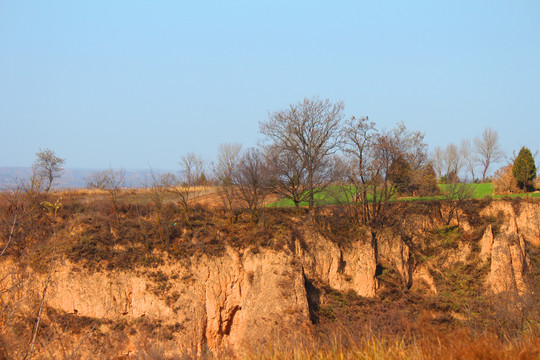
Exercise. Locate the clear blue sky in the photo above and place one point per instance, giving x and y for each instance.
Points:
(137, 83)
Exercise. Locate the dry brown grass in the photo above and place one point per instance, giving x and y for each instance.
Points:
(78, 192)
(203, 195)
(454, 345)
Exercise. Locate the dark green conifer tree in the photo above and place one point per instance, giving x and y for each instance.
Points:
(524, 169)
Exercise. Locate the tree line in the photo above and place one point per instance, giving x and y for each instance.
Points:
(311, 146)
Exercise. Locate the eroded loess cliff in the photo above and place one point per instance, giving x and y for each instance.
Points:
(242, 296)
(501, 238)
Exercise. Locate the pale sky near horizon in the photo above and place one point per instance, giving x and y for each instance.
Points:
(135, 84)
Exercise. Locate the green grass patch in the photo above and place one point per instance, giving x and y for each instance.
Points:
(480, 190)
(337, 195)
(332, 195)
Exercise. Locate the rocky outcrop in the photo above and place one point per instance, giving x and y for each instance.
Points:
(506, 249)
(394, 251)
(103, 294)
(528, 222)
(249, 296)
(486, 244)
(423, 281)
(506, 252)
(525, 216)
(349, 267)
(230, 301)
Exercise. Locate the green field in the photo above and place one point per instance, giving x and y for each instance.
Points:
(335, 195)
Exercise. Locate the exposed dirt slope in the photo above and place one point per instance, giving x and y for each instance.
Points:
(242, 296)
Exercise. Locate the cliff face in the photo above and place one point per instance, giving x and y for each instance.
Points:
(349, 267)
(233, 301)
(244, 297)
(229, 301)
(502, 246)
(506, 248)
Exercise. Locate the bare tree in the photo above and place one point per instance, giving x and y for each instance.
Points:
(224, 170)
(383, 153)
(455, 193)
(453, 161)
(166, 180)
(191, 168)
(109, 180)
(161, 184)
(411, 145)
(310, 130)
(438, 161)
(469, 157)
(359, 137)
(371, 154)
(488, 150)
(47, 167)
(251, 179)
(448, 162)
(287, 176)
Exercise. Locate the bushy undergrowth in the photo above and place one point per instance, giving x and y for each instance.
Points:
(98, 235)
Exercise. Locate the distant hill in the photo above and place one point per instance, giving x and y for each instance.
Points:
(71, 178)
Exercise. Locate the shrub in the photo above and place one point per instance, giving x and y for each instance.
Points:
(504, 181)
